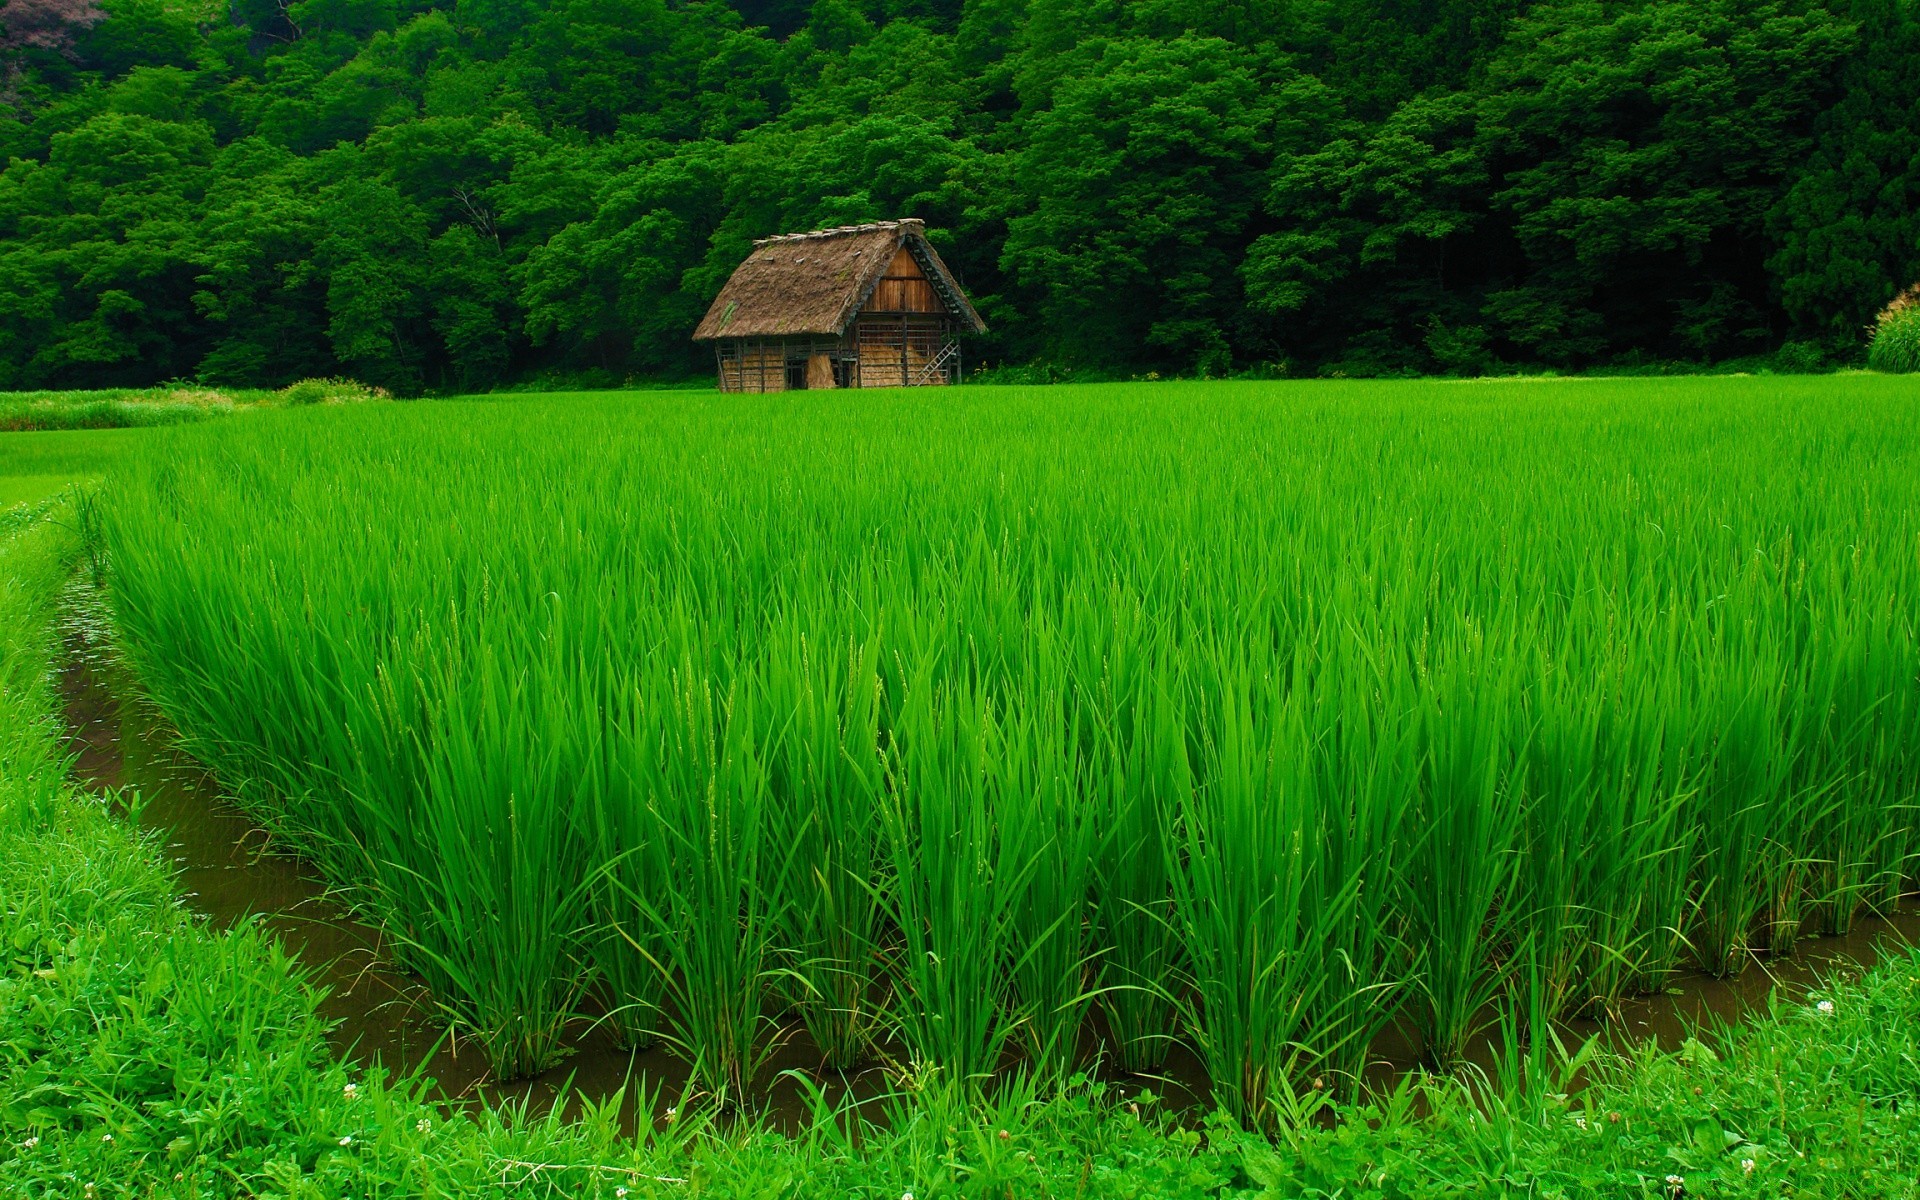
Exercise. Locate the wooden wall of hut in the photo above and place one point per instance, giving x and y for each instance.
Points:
(904, 288)
(882, 350)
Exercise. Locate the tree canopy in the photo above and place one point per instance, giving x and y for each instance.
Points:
(461, 194)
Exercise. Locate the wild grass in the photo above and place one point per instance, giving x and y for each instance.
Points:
(981, 731)
(1895, 343)
(174, 404)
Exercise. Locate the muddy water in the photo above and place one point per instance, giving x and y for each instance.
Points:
(229, 871)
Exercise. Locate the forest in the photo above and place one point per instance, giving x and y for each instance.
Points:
(456, 195)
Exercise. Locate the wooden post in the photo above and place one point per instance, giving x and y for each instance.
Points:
(903, 349)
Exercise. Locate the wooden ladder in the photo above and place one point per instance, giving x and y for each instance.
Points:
(937, 364)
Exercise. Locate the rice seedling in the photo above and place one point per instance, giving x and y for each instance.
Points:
(1047, 826)
(1144, 781)
(716, 931)
(1464, 864)
(827, 780)
(957, 894)
(1365, 762)
(1255, 902)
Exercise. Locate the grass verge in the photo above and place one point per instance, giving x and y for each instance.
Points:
(143, 1055)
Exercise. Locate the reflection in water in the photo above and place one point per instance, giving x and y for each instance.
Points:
(384, 1016)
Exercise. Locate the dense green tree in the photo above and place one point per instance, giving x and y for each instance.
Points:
(1848, 224)
(1142, 176)
(1637, 150)
(1375, 254)
(458, 193)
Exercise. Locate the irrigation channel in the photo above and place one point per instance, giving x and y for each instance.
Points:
(228, 872)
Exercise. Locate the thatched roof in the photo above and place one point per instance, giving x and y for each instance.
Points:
(812, 284)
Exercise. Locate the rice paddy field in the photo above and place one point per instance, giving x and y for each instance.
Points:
(993, 732)
(37, 465)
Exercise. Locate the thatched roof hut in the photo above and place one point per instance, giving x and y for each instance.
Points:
(858, 306)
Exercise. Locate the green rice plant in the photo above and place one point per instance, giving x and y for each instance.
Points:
(1365, 765)
(1604, 874)
(717, 927)
(1634, 886)
(1049, 836)
(1658, 939)
(1895, 343)
(956, 897)
(1858, 716)
(1896, 838)
(1144, 781)
(506, 918)
(1255, 906)
(635, 858)
(1663, 773)
(827, 781)
(1463, 870)
(1562, 851)
(1743, 789)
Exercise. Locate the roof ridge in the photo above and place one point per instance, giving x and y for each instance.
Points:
(910, 224)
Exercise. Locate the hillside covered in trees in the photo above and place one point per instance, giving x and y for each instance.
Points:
(475, 192)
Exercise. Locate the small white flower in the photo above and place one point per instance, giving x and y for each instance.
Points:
(31, 1142)
(423, 1126)
(347, 1141)
(351, 1091)
(906, 1196)
(1825, 1007)
(106, 1137)
(1746, 1166)
(620, 1193)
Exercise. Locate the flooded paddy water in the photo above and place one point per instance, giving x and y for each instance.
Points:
(229, 871)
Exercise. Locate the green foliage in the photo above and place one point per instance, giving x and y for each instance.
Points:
(453, 199)
(1147, 151)
(1847, 236)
